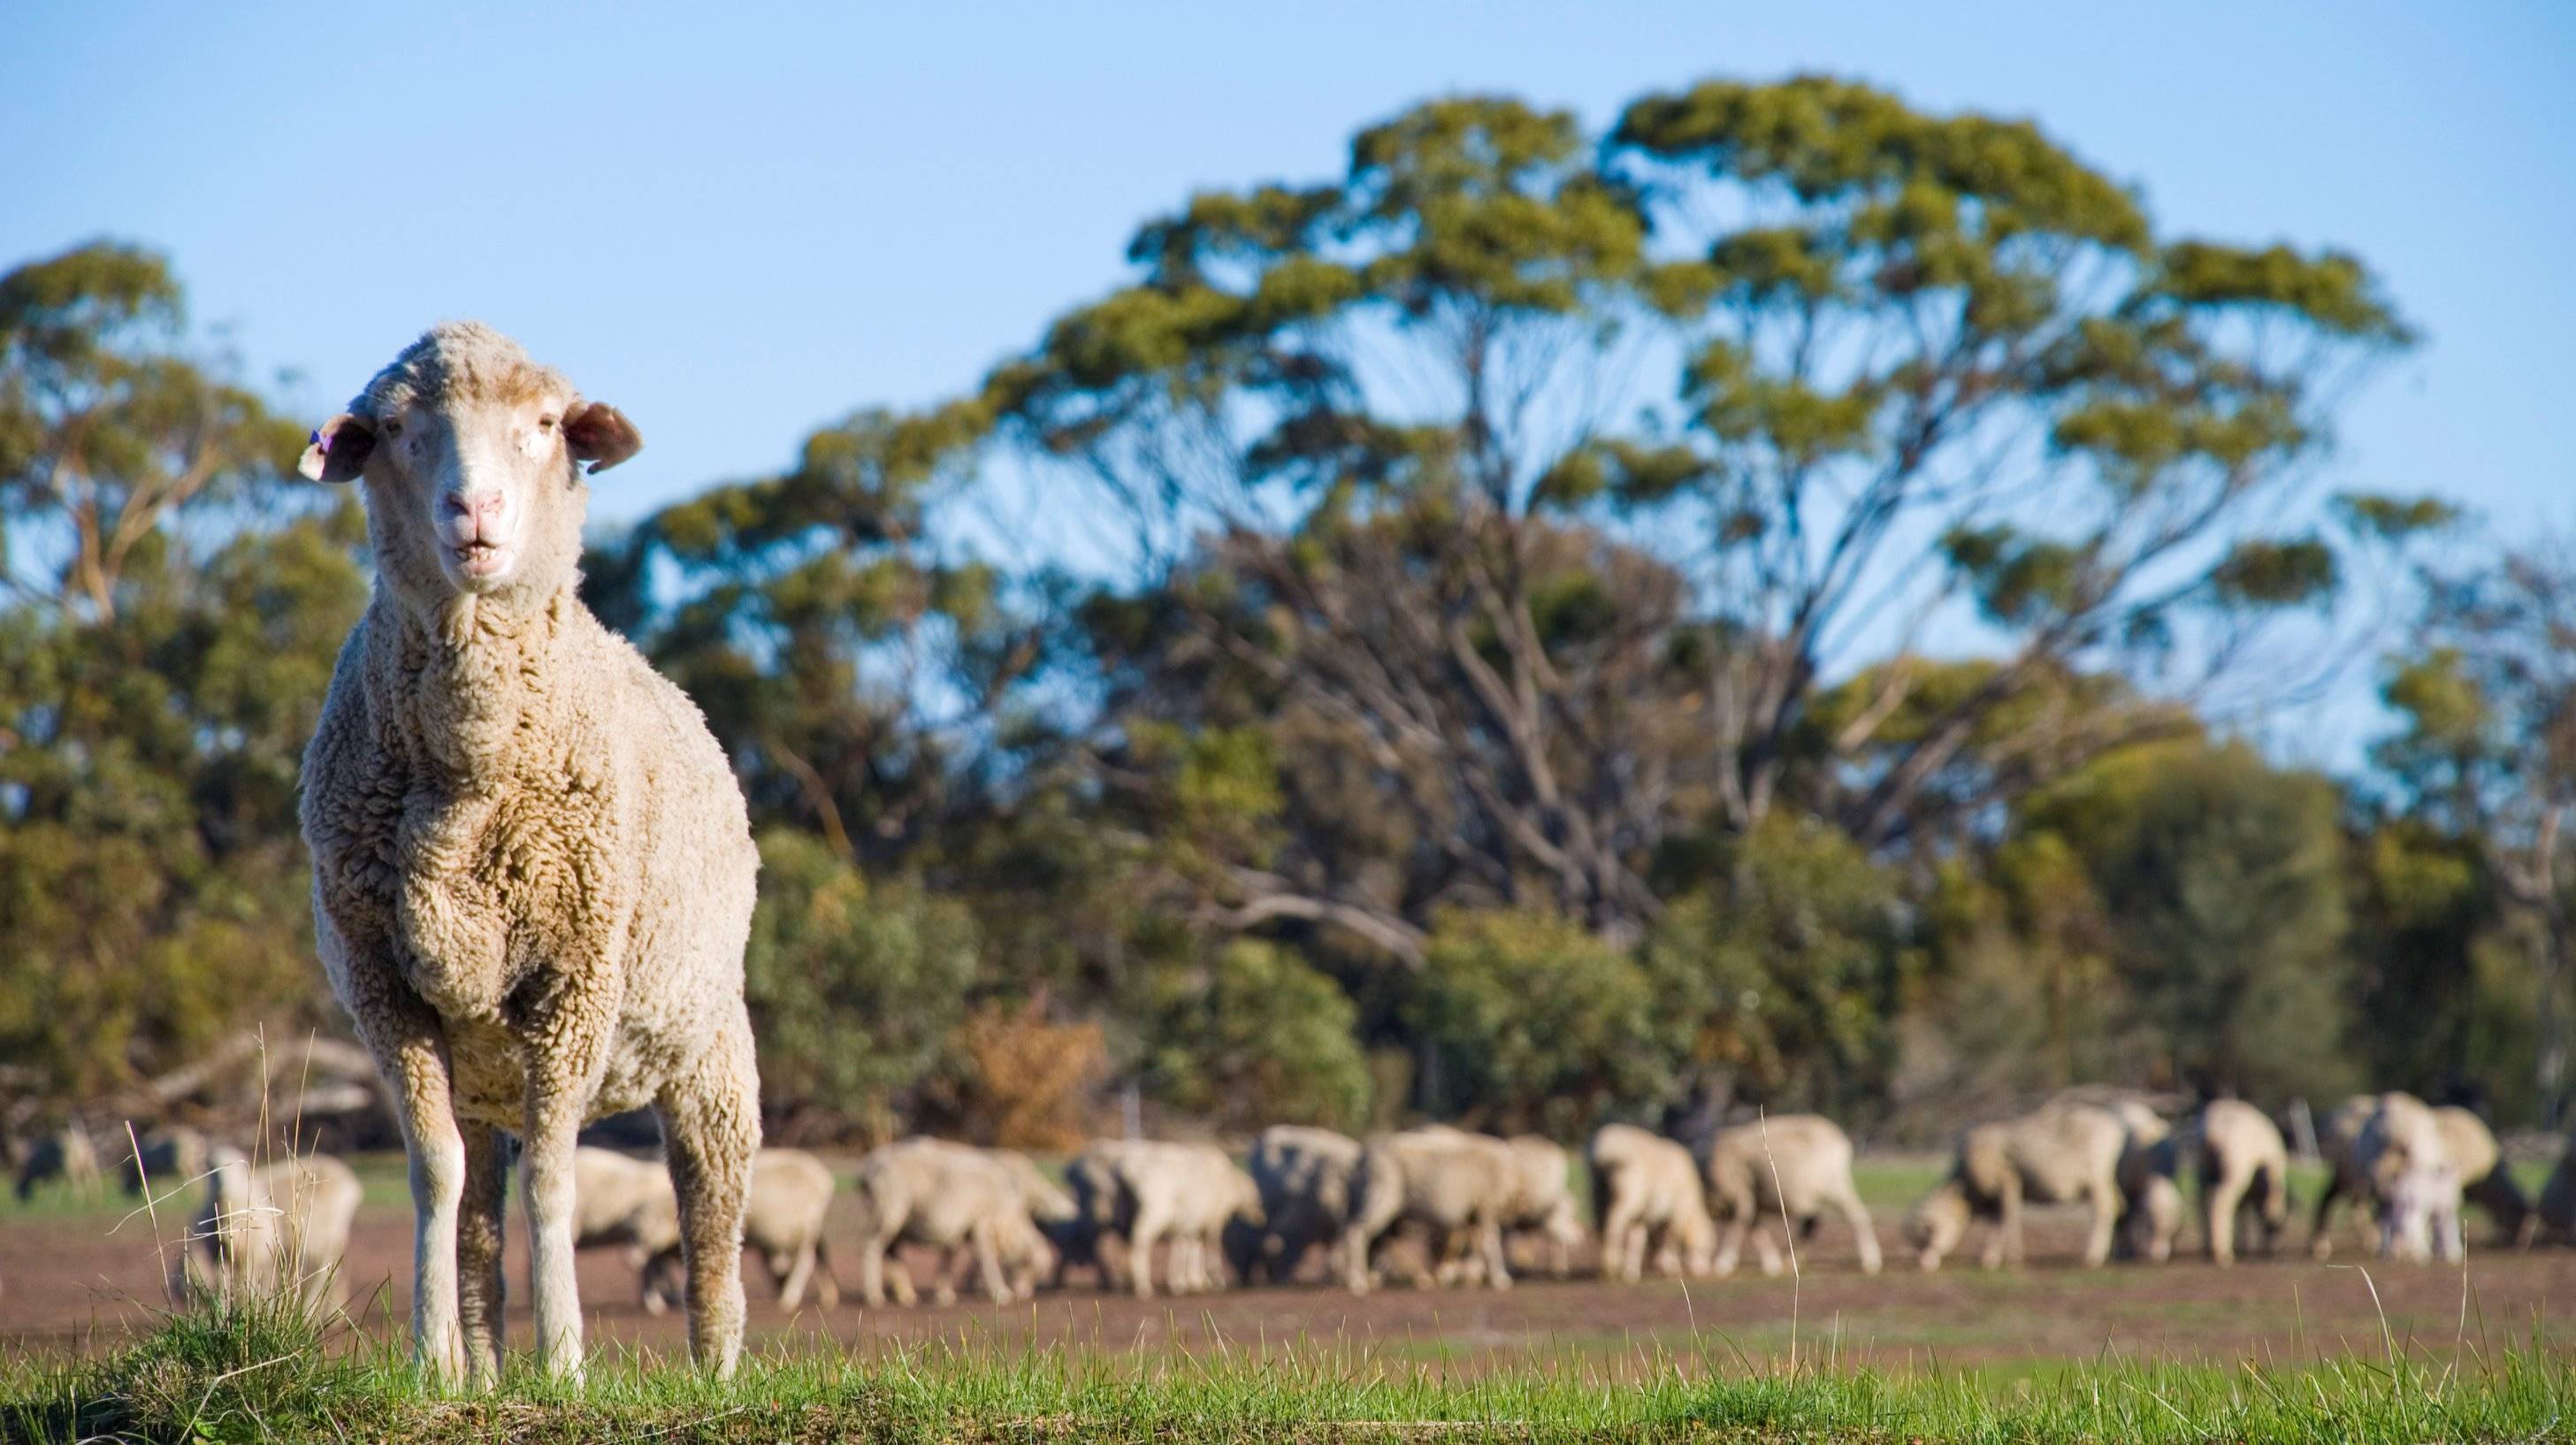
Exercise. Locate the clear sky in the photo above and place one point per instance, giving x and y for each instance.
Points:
(738, 221)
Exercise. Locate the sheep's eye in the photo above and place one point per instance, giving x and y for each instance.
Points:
(393, 428)
(545, 423)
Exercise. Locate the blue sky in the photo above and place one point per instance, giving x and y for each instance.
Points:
(740, 221)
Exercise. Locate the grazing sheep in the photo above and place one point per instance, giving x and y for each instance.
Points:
(1795, 1166)
(622, 1200)
(2419, 1216)
(2404, 1153)
(2151, 1202)
(1046, 1200)
(1544, 1203)
(2338, 1136)
(1143, 1192)
(791, 1191)
(1304, 1175)
(533, 870)
(279, 1228)
(952, 1197)
(2485, 1180)
(2061, 1154)
(169, 1157)
(2244, 1166)
(66, 1154)
(1461, 1185)
(1647, 1189)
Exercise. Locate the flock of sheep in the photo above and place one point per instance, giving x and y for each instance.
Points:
(1659, 1204)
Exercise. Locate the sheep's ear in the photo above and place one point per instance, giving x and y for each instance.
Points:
(600, 434)
(339, 450)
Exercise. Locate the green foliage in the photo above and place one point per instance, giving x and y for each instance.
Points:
(2221, 879)
(110, 426)
(1787, 973)
(154, 706)
(854, 986)
(1256, 1036)
(1534, 1023)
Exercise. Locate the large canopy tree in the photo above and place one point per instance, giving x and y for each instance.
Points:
(1576, 496)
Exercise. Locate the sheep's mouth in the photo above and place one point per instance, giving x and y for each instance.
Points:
(479, 559)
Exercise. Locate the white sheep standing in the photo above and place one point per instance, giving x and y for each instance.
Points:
(533, 872)
(271, 1230)
(791, 1191)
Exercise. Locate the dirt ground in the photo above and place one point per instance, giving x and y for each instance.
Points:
(80, 1280)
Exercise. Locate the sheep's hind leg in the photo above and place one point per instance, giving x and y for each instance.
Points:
(479, 1231)
(711, 1123)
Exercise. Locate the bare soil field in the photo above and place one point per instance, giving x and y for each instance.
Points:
(81, 1280)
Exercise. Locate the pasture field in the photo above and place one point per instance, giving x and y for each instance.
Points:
(2272, 1350)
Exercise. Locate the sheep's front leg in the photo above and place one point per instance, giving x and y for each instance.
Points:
(711, 1123)
(1355, 1258)
(792, 1272)
(1864, 1230)
(411, 1053)
(2106, 1217)
(1489, 1238)
(1141, 1235)
(568, 1035)
(2221, 1195)
(872, 1271)
(988, 1264)
(478, 1252)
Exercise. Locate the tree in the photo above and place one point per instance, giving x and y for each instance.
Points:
(854, 987)
(1527, 1021)
(1257, 1037)
(859, 675)
(2486, 753)
(1787, 983)
(109, 427)
(1552, 483)
(2222, 881)
(173, 604)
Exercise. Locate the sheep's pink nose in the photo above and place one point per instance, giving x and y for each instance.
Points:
(483, 509)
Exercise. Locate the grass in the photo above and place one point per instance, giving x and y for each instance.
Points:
(258, 1373)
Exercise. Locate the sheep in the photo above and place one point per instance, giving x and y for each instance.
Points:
(2485, 1180)
(1046, 1201)
(278, 1229)
(2337, 1138)
(2243, 1164)
(1143, 1192)
(622, 1200)
(791, 1191)
(1793, 1168)
(66, 1154)
(1544, 1203)
(930, 1191)
(2060, 1154)
(1304, 1175)
(1461, 1185)
(2151, 1202)
(1648, 1192)
(172, 1156)
(533, 869)
(2404, 1156)
(2419, 1215)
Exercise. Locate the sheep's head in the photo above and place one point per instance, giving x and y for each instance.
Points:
(472, 456)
